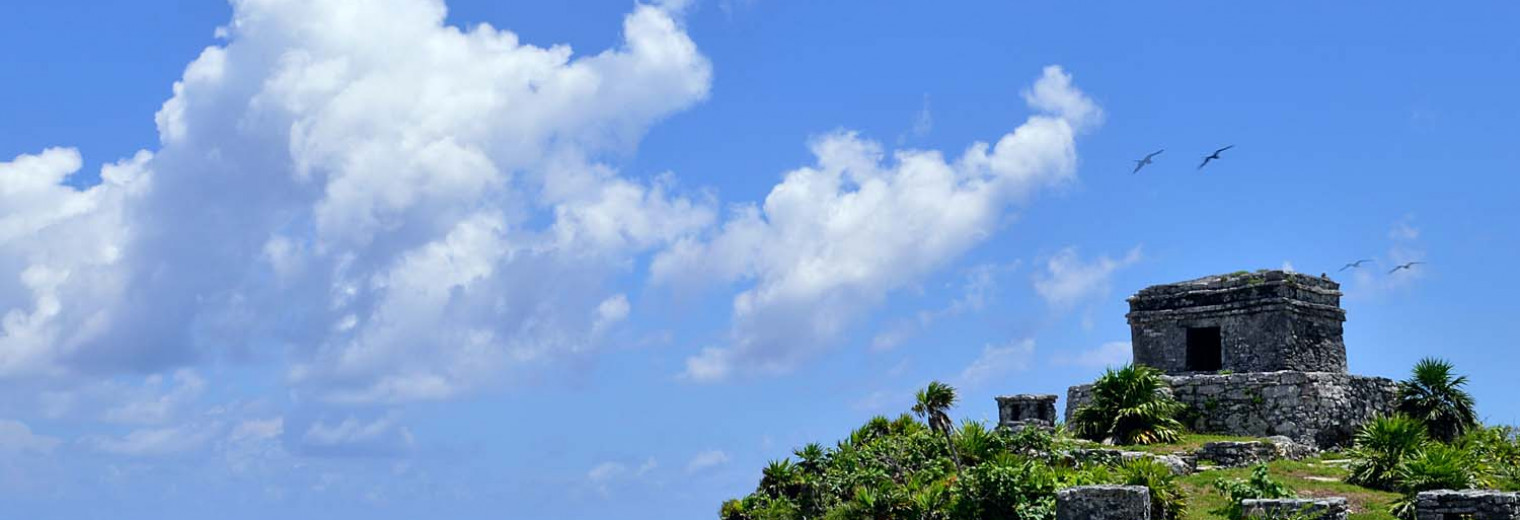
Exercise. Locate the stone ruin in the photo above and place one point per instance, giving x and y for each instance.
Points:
(1471, 504)
(1258, 354)
(1017, 412)
(1104, 503)
(1330, 508)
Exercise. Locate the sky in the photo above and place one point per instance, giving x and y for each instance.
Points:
(604, 259)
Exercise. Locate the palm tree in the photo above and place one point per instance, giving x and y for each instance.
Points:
(1129, 406)
(1434, 395)
(811, 458)
(932, 403)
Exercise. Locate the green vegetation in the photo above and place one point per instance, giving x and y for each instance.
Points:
(1129, 407)
(921, 466)
(1435, 396)
(1260, 485)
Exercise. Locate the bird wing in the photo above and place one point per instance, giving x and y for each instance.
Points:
(1205, 162)
(1155, 153)
(1216, 152)
(1138, 165)
(1348, 266)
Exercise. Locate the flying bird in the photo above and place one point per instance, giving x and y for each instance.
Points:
(1355, 264)
(1213, 156)
(1405, 266)
(1147, 160)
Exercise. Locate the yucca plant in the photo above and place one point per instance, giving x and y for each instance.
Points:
(1129, 406)
(1380, 449)
(932, 404)
(1434, 395)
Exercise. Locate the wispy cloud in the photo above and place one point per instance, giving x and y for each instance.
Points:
(1111, 354)
(1068, 280)
(706, 460)
(997, 361)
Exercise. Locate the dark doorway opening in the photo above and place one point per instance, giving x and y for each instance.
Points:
(1204, 349)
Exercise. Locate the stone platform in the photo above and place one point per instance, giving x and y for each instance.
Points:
(1322, 409)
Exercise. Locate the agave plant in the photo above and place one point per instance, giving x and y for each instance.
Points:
(1433, 394)
(932, 404)
(1380, 449)
(1129, 406)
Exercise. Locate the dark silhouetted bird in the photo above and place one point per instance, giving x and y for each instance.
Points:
(1405, 266)
(1213, 156)
(1147, 160)
(1355, 264)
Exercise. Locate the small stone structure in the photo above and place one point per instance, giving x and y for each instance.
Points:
(1103, 503)
(1243, 322)
(1473, 504)
(1333, 508)
(1256, 354)
(1024, 410)
(1233, 454)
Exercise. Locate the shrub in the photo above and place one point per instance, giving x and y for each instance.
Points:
(1434, 395)
(1499, 449)
(1168, 502)
(1006, 487)
(1380, 449)
(1438, 466)
(1128, 406)
(1260, 485)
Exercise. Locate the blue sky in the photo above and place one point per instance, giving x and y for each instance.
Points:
(371, 260)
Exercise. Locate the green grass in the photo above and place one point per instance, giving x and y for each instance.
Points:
(1307, 477)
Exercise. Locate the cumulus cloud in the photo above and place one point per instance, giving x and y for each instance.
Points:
(706, 460)
(835, 238)
(1068, 280)
(404, 209)
(997, 361)
(17, 437)
(1111, 354)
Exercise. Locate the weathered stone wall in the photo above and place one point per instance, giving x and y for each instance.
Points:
(1317, 408)
(1333, 508)
(1473, 504)
(1024, 410)
(1268, 321)
(1104, 503)
(1232, 454)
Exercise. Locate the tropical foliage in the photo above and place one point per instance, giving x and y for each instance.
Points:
(1259, 485)
(1380, 449)
(1129, 406)
(1434, 395)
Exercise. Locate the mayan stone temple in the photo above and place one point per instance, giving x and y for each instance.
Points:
(1257, 354)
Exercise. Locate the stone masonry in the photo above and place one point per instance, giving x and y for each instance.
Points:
(1243, 322)
(1256, 354)
(1317, 408)
(1469, 504)
(1333, 508)
(1104, 503)
(1232, 454)
(1024, 410)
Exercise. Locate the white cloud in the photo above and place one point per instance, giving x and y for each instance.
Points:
(148, 442)
(1068, 280)
(1111, 354)
(17, 437)
(160, 400)
(258, 429)
(706, 460)
(384, 435)
(997, 361)
(1374, 279)
(411, 209)
(834, 239)
(606, 471)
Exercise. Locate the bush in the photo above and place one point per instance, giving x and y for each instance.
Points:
(1168, 502)
(1128, 406)
(1434, 395)
(1260, 485)
(1438, 466)
(1008, 487)
(1380, 449)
